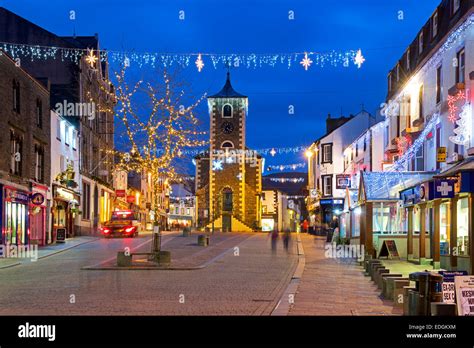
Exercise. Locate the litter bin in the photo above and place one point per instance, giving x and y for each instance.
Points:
(428, 288)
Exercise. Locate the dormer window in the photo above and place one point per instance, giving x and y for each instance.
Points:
(408, 59)
(434, 23)
(420, 43)
(227, 111)
(456, 4)
(398, 72)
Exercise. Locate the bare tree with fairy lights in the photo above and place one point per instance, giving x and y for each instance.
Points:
(155, 128)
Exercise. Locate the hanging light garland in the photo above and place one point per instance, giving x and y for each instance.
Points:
(248, 60)
(287, 180)
(287, 166)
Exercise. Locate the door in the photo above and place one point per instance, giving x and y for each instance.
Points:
(226, 222)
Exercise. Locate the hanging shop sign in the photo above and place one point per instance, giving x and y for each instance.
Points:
(130, 199)
(424, 191)
(120, 193)
(444, 188)
(464, 295)
(410, 196)
(37, 198)
(63, 194)
(16, 196)
(313, 193)
(343, 181)
(441, 154)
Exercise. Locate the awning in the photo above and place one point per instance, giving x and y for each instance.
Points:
(380, 186)
(464, 166)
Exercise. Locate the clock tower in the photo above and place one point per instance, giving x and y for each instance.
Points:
(228, 176)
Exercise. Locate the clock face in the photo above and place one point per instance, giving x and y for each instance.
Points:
(227, 127)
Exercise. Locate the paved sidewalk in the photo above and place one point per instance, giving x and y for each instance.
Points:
(331, 286)
(46, 251)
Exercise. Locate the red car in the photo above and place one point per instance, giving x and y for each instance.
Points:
(124, 223)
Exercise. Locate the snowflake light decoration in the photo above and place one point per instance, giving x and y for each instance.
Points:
(199, 63)
(306, 62)
(216, 165)
(91, 58)
(359, 59)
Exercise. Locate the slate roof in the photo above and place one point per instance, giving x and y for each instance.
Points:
(227, 91)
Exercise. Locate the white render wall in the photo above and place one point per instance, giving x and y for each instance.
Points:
(340, 138)
(426, 76)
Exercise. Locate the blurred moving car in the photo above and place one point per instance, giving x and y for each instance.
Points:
(124, 223)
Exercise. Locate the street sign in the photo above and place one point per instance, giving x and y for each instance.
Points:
(441, 154)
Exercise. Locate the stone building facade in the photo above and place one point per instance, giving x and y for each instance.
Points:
(24, 154)
(82, 85)
(228, 175)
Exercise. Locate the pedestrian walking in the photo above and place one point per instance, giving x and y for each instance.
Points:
(305, 225)
(286, 240)
(274, 240)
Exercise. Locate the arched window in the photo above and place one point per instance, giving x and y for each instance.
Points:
(227, 111)
(227, 145)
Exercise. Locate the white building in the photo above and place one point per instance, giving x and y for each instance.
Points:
(327, 181)
(429, 134)
(65, 176)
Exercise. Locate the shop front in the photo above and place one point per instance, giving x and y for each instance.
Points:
(14, 218)
(64, 211)
(442, 208)
(455, 218)
(38, 215)
(379, 215)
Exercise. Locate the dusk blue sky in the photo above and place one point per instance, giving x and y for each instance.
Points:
(257, 26)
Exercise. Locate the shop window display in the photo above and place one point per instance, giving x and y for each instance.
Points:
(463, 226)
(444, 228)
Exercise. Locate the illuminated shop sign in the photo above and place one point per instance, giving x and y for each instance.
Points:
(16, 196)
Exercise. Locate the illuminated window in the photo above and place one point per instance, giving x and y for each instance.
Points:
(460, 66)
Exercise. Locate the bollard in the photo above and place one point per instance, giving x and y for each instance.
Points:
(202, 240)
(124, 260)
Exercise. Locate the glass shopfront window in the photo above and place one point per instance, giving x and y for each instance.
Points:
(356, 225)
(416, 220)
(463, 226)
(444, 228)
(15, 223)
(389, 218)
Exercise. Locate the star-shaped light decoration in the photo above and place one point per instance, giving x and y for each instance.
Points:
(281, 167)
(359, 59)
(216, 165)
(273, 152)
(306, 62)
(199, 63)
(91, 58)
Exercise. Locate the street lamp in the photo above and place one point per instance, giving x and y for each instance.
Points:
(308, 153)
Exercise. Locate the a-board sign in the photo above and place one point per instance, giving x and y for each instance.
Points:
(389, 249)
(465, 295)
(448, 285)
(61, 235)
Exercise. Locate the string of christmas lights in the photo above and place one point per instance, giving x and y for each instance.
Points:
(402, 162)
(264, 151)
(283, 167)
(200, 59)
(285, 180)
